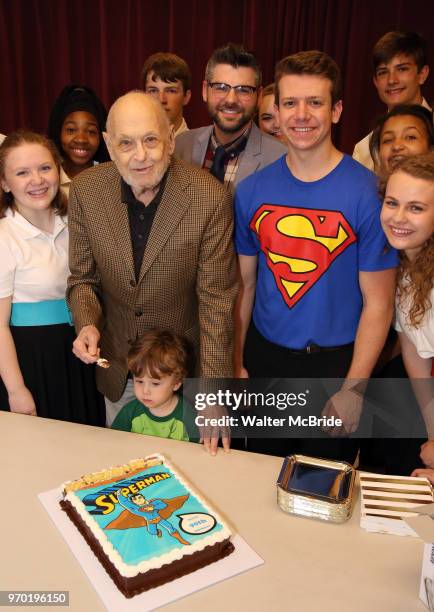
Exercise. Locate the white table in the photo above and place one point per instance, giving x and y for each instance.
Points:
(309, 565)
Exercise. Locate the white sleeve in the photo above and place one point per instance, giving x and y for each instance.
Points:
(398, 323)
(7, 268)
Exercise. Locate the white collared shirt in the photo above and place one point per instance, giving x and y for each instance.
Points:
(64, 182)
(423, 336)
(182, 128)
(34, 264)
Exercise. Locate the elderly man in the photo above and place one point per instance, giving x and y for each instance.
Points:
(151, 245)
(233, 147)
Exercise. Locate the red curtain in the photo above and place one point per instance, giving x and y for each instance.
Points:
(45, 44)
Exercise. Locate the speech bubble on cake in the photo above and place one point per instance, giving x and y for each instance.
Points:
(196, 523)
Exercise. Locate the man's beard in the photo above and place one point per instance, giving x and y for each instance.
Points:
(235, 126)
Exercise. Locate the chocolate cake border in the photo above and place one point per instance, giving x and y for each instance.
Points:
(131, 586)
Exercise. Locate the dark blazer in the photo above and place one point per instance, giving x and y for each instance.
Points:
(187, 281)
(261, 150)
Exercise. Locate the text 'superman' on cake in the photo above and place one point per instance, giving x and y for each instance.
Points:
(145, 523)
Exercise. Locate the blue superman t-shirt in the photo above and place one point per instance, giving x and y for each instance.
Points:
(312, 239)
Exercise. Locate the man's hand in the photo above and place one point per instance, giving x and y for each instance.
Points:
(427, 453)
(424, 473)
(21, 401)
(210, 433)
(241, 372)
(346, 405)
(85, 346)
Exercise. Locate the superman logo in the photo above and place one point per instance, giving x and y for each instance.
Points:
(299, 245)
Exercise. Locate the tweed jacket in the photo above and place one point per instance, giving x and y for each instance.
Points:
(261, 150)
(187, 281)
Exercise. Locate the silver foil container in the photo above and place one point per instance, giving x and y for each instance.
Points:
(316, 488)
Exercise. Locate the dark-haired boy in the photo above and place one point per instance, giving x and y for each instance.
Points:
(233, 146)
(167, 77)
(317, 284)
(400, 66)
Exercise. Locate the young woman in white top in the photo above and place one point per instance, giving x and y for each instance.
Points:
(39, 374)
(407, 218)
(405, 131)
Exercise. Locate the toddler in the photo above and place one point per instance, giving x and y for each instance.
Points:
(158, 362)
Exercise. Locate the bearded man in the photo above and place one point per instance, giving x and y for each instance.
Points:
(232, 147)
(150, 246)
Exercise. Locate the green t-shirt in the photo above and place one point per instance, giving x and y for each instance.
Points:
(178, 425)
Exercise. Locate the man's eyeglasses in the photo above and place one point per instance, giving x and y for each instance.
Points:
(242, 91)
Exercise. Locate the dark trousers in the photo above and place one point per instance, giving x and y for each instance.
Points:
(399, 456)
(264, 359)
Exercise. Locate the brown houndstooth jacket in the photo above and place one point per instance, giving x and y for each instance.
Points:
(187, 281)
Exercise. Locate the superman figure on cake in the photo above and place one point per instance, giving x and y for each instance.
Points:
(154, 512)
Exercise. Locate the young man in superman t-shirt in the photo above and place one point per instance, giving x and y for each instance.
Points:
(317, 279)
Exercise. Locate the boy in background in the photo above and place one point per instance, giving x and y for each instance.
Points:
(166, 76)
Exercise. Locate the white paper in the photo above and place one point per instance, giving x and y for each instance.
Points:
(387, 500)
(242, 559)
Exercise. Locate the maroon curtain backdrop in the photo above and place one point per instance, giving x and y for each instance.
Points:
(45, 44)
